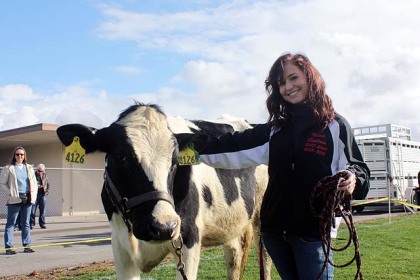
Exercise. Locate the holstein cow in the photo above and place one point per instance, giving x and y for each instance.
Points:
(156, 206)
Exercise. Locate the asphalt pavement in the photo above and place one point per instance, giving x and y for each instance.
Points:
(76, 240)
(66, 242)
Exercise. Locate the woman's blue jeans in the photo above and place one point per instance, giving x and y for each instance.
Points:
(25, 213)
(297, 258)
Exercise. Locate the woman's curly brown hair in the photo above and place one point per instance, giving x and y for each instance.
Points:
(279, 110)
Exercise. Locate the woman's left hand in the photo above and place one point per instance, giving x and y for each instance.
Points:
(348, 184)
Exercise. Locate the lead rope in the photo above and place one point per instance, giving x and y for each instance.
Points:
(260, 243)
(325, 202)
(178, 251)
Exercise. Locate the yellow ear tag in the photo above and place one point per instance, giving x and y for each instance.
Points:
(75, 153)
(188, 156)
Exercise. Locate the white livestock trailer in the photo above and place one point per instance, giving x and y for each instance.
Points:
(394, 162)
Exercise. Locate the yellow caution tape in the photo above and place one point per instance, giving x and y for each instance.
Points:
(65, 243)
(385, 199)
(406, 203)
(370, 201)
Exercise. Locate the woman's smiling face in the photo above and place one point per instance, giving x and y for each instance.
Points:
(19, 155)
(294, 86)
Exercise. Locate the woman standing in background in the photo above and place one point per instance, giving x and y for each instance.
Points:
(18, 180)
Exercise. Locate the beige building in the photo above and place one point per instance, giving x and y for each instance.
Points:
(75, 188)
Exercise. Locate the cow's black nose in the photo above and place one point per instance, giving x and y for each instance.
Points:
(155, 231)
(163, 231)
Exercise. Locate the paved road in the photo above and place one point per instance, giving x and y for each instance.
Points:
(73, 240)
(378, 212)
(68, 241)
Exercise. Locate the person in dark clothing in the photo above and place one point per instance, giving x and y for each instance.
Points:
(303, 141)
(416, 198)
(418, 179)
(43, 189)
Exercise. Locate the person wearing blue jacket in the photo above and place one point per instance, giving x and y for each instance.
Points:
(17, 179)
(303, 141)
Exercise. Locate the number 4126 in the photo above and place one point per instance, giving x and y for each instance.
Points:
(75, 157)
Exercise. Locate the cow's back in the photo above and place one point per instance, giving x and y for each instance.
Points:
(227, 202)
(219, 202)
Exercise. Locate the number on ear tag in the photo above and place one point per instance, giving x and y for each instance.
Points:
(75, 152)
(188, 156)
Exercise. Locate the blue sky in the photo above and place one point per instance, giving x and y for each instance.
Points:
(86, 61)
(56, 44)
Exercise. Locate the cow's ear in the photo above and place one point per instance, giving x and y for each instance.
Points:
(66, 134)
(199, 140)
(184, 139)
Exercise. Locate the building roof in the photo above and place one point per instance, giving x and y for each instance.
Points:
(383, 130)
(42, 133)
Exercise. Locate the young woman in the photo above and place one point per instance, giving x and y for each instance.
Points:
(17, 179)
(303, 141)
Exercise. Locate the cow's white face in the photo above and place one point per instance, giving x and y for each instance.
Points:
(153, 144)
(141, 158)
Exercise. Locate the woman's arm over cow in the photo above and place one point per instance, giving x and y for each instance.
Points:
(237, 150)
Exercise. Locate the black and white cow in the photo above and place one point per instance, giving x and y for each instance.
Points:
(154, 205)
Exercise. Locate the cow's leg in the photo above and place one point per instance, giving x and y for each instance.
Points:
(266, 262)
(126, 268)
(123, 246)
(236, 254)
(132, 255)
(191, 258)
(262, 181)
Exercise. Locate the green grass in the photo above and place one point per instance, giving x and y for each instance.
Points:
(389, 250)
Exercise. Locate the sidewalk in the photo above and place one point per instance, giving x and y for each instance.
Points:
(61, 223)
(67, 241)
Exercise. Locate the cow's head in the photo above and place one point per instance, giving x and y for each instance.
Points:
(141, 159)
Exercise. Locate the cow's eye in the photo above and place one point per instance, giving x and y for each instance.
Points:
(120, 158)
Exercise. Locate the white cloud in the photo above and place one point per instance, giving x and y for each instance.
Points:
(16, 93)
(367, 51)
(76, 104)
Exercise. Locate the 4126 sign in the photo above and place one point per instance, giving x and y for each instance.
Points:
(188, 156)
(75, 152)
(75, 157)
